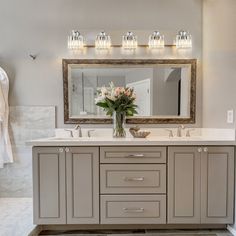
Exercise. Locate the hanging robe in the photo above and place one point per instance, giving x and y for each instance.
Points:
(5, 144)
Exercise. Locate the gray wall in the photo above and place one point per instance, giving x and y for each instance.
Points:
(41, 27)
(219, 62)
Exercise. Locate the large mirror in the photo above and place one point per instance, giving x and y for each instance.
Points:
(165, 89)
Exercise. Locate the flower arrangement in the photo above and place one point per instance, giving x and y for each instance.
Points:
(118, 99)
(119, 103)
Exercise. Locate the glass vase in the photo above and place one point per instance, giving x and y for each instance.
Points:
(118, 124)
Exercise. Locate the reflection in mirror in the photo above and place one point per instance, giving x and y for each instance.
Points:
(161, 90)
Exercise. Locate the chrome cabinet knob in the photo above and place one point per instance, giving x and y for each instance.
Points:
(67, 149)
(205, 149)
(61, 149)
(199, 149)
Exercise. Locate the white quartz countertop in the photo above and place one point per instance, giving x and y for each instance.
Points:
(200, 137)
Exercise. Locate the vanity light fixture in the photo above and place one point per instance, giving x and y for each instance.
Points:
(156, 40)
(129, 41)
(102, 41)
(183, 39)
(75, 40)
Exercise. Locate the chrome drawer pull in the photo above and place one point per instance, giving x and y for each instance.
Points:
(133, 178)
(135, 155)
(133, 210)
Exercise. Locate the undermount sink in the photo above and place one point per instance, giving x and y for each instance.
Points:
(186, 138)
(70, 138)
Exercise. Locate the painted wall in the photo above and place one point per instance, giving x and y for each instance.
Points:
(41, 27)
(219, 62)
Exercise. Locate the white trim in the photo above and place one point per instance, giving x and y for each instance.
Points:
(231, 230)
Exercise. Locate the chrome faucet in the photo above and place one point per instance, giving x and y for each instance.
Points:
(171, 135)
(77, 127)
(180, 130)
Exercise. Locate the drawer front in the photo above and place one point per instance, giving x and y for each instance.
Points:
(133, 209)
(133, 154)
(127, 178)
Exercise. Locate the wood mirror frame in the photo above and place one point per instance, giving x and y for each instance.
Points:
(131, 120)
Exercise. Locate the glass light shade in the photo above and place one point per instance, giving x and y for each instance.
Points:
(156, 40)
(75, 40)
(129, 41)
(183, 39)
(102, 41)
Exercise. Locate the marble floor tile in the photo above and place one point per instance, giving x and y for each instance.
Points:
(16, 216)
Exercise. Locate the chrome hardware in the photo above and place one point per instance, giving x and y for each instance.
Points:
(188, 132)
(135, 155)
(179, 130)
(133, 178)
(61, 149)
(205, 149)
(67, 149)
(77, 127)
(199, 149)
(171, 135)
(71, 132)
(133, 210)
(89, 132)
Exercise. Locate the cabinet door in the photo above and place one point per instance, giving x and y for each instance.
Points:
(49, 185)
(217, 185)
(183, 185)
(82, 165)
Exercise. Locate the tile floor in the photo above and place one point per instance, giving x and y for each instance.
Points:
(16, 216)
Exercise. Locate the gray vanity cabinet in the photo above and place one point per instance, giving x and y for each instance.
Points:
(200, 185)
(49, 185)
(133, 189)
(82, 168)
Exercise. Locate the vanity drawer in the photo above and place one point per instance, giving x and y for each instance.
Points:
(132, 178)
(133, 154)
(133, 209)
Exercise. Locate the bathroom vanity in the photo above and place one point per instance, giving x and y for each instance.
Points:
(158, 180)
(133, 181)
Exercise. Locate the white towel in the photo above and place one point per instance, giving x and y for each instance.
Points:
(2, 105)
(5, 144)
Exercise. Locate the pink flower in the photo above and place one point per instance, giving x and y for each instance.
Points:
(128, 92)
(119, 91)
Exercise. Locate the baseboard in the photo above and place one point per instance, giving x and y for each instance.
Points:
(126, 227)
(231, 230)
(35, 231)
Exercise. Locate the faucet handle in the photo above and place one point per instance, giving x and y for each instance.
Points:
(71, 132)
(171, 135)
(89, 132)
(188, 132)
